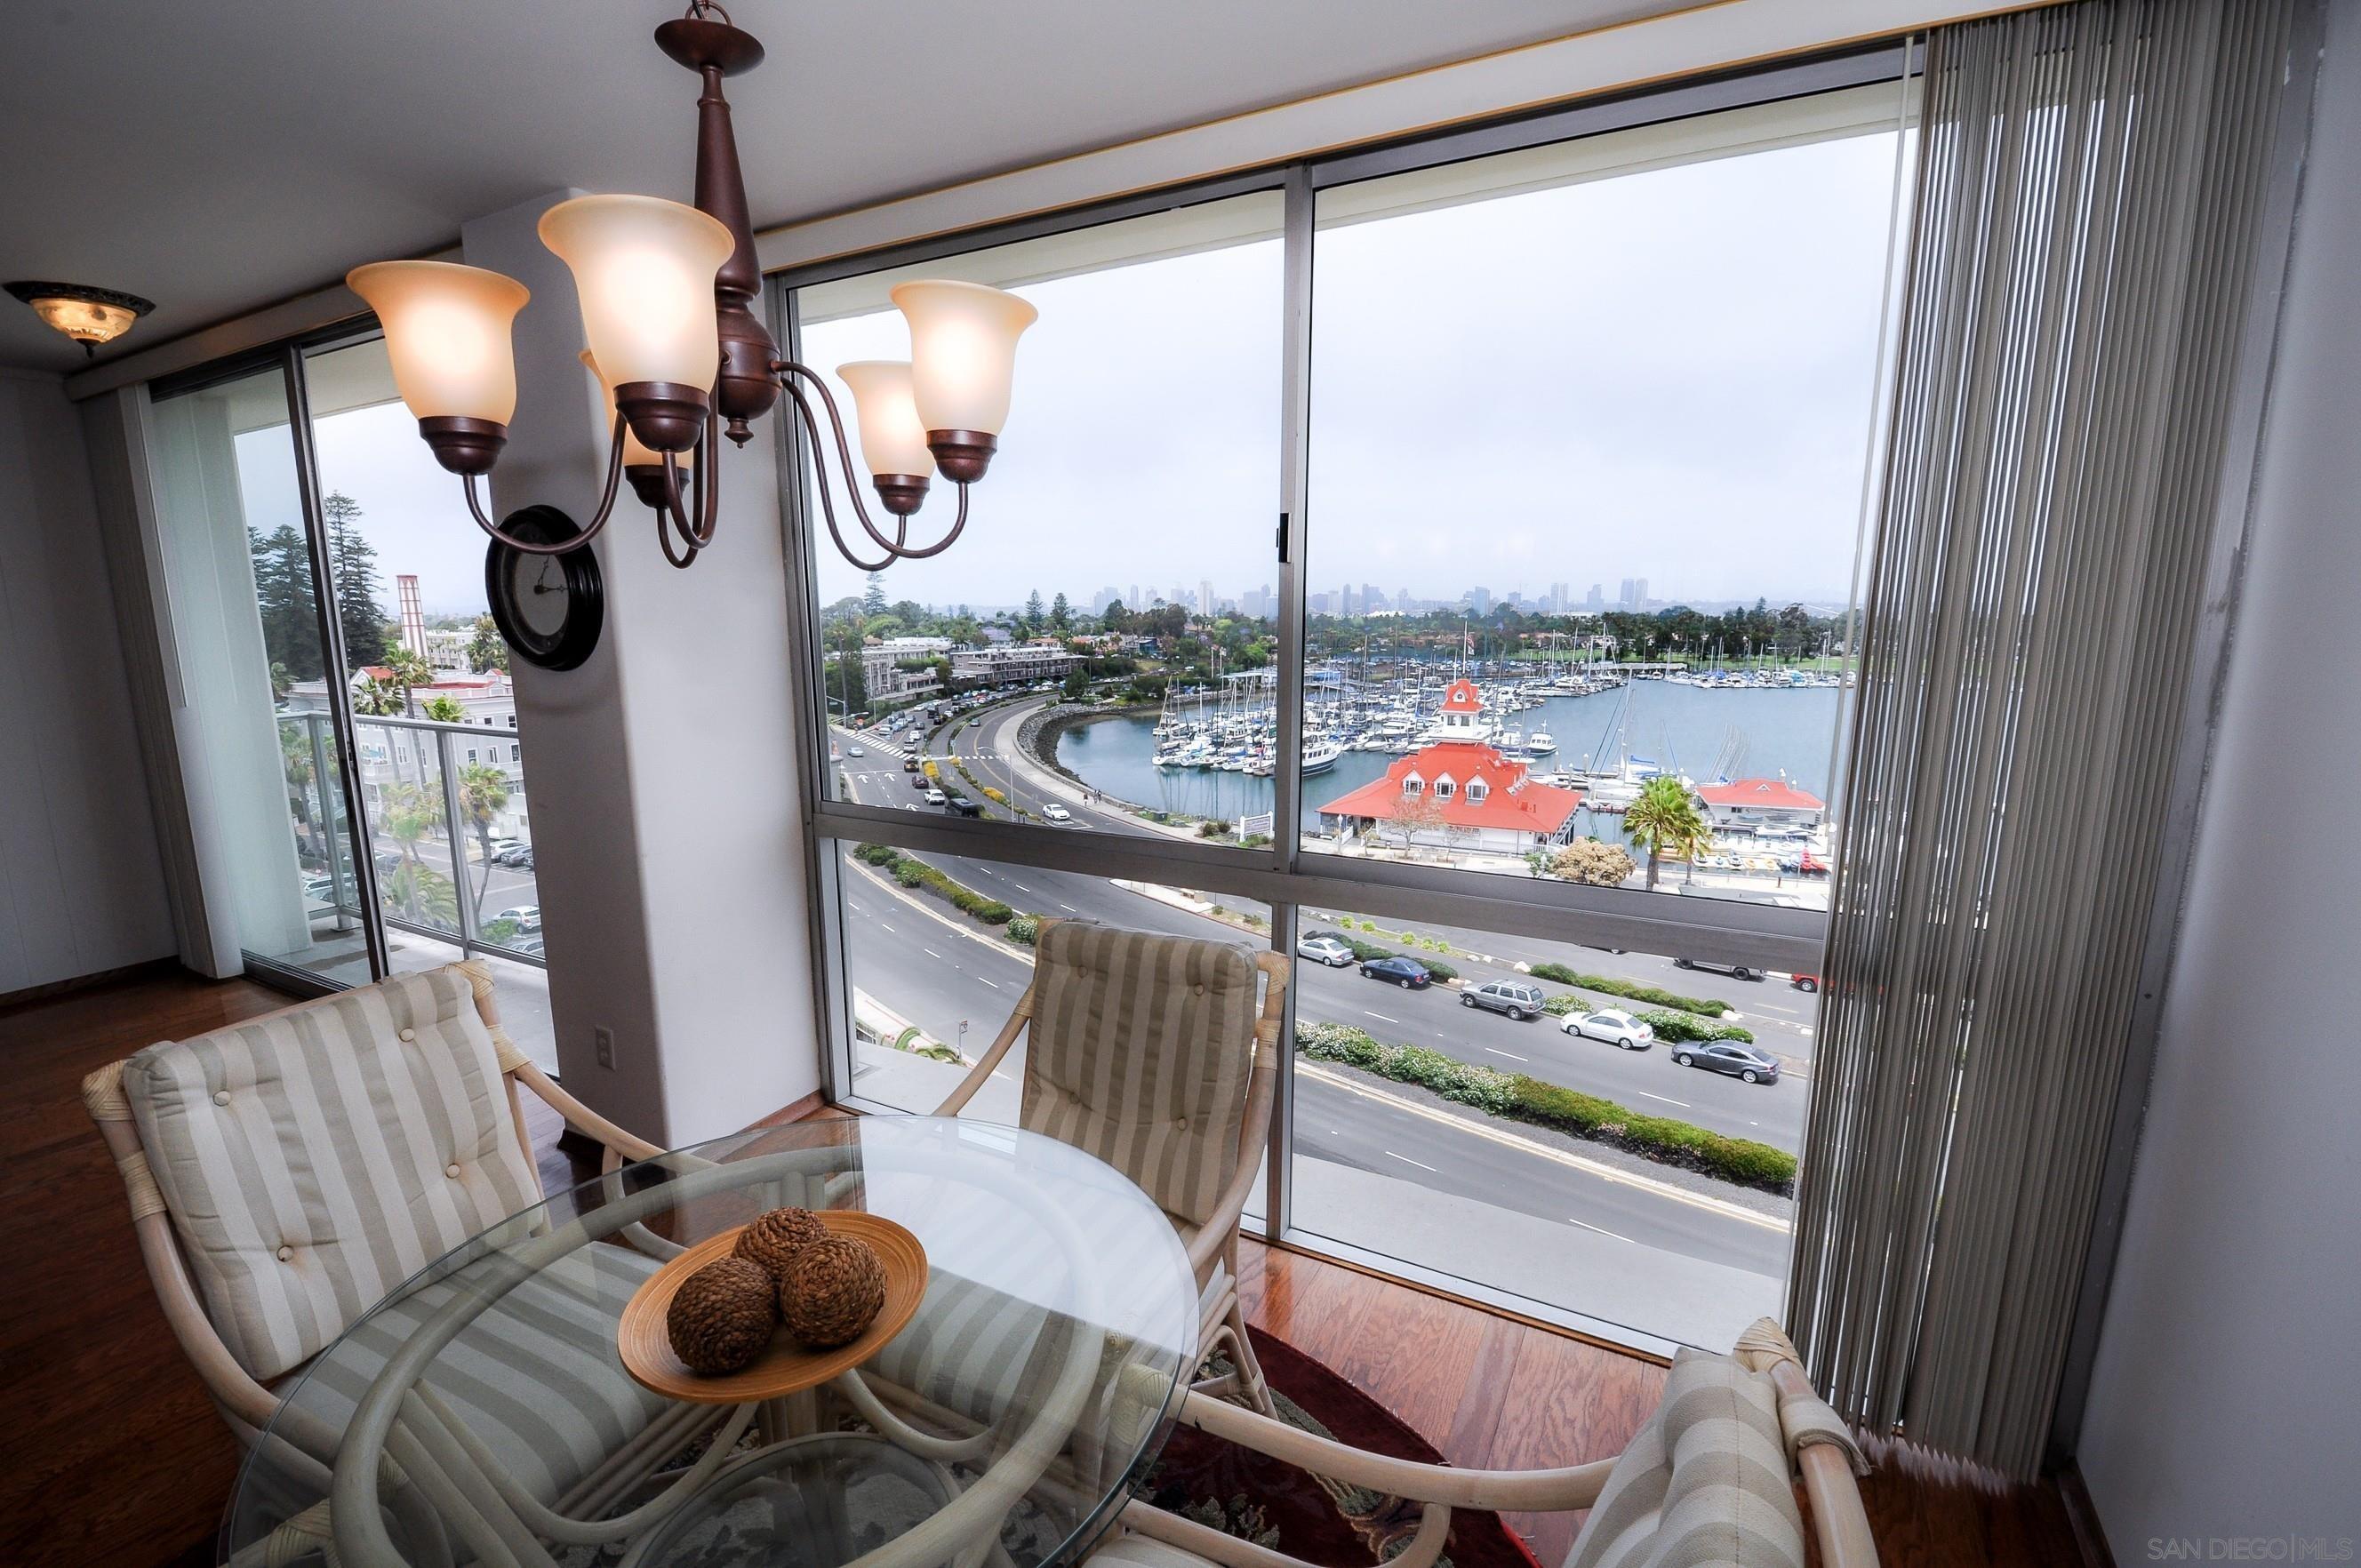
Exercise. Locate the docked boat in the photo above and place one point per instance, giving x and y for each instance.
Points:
(1540, 744)
(1319, 753)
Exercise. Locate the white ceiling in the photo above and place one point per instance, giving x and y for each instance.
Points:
(217, 157)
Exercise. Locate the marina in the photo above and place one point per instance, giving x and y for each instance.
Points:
(1603, 731)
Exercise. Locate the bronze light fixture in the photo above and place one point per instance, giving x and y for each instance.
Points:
(666, 293)
(90, 316)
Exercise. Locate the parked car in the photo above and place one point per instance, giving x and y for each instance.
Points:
(1056, 813)
(1613, 1025)
(1730, 1057)
(526, 915)
(499, 846)
(528, 945)
(513, 855)
(1806, 982)
(1324, 950)
(1735, 971)
(1407, 973)
(936, 797)
(1514, 997)
(320, 888)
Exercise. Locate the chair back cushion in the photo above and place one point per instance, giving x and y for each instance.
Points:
(1141, 1052)
(313, 1159)
(1704, 1482)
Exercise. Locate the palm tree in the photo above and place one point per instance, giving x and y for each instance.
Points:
(409, 816)
(483, 791)
(1665, 819)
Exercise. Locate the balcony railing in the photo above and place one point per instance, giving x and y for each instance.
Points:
(434, 879)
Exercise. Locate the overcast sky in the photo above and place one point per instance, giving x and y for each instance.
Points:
(1664, 374)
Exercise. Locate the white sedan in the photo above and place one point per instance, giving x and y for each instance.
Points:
(1056, 813)
(1613, 1025)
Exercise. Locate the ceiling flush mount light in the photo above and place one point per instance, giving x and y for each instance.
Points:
(90, 316)
(668, 293)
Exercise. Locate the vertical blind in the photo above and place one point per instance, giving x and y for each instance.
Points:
(2086, 215)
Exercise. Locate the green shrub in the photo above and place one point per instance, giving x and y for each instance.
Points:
(1364, 952)
(1680, 1026)
(1551, 1105)
(877, 855)
(909, 874)
(1655, 996)
(1024, 930)
(1212, 828)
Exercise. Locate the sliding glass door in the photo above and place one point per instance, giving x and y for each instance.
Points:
(363, 803)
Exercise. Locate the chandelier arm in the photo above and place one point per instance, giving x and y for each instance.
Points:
(945, 543)
(529, 547)
(894, 551)
(663, 543)
(786, 368)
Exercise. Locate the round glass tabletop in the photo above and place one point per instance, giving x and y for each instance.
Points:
(481, 1412)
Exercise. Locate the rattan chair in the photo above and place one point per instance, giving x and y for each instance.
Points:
(1102, 1003)
(1709, 1480)
(219, 1137)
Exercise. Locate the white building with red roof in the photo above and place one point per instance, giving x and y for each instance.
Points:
(1748, 803)
(1459, 794)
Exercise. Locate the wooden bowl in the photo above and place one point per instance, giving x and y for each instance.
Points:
(788, 1366)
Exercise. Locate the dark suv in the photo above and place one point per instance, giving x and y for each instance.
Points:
(963, 805)
(1514, 997)
(1728, 1055)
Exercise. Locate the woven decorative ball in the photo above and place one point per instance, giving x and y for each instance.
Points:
(831, 1290)
(723, 1317)
(777, 1236)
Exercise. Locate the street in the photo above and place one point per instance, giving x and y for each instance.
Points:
(963, 976)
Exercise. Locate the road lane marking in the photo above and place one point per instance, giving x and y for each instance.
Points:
(1020, 887)
(1378, 1016)
(1721, 1206)
(930, 952)
(1670, 1101)
(994, 983)
(1602, 1230)
(1511, 1055)
(1407, 1161)
(888, 929)
(1069, 909)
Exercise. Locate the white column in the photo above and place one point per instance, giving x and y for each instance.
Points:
(667, 825)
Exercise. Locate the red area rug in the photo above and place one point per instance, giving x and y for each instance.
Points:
(1277, 1506)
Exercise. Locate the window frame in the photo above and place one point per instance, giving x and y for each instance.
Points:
(1282, 875)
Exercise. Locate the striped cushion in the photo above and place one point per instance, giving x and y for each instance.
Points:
(536, 1376)
(1704, 1483)
(313, 1160)
(1139, 1054)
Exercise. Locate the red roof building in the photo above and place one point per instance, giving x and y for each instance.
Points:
(1748, 803)
(1481, 799)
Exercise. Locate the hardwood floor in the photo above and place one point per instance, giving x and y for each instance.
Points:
(111, 1454)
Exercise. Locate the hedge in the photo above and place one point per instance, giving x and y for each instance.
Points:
(1631, 990)
(1526, 1099)
(1364, 951)
(911, 872)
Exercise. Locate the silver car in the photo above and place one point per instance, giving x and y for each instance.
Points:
(1613, 1025)
(1324, 950)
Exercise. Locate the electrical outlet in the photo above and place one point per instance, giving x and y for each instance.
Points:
(603, 1040)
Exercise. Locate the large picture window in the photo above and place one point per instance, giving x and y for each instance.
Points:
(1525, 740)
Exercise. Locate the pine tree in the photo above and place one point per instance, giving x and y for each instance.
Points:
(353, 560)
(1061, 614)
(1032, 612)
(872, 598)
(283, 599)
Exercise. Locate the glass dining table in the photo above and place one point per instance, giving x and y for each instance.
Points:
(482, 1413)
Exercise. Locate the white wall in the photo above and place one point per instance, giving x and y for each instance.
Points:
(667, 827)
(2225, 1402)
(82, 886)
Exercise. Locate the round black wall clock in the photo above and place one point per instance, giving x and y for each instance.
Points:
(550, 608)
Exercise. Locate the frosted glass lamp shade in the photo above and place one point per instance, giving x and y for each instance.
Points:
(962, 352)
(446, 332)
(637, 453)
(893, 438)
(643, 269)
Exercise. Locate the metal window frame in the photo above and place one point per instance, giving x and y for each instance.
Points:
(1286, 878)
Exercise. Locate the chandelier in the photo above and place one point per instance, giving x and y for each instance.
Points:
(666, 292)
